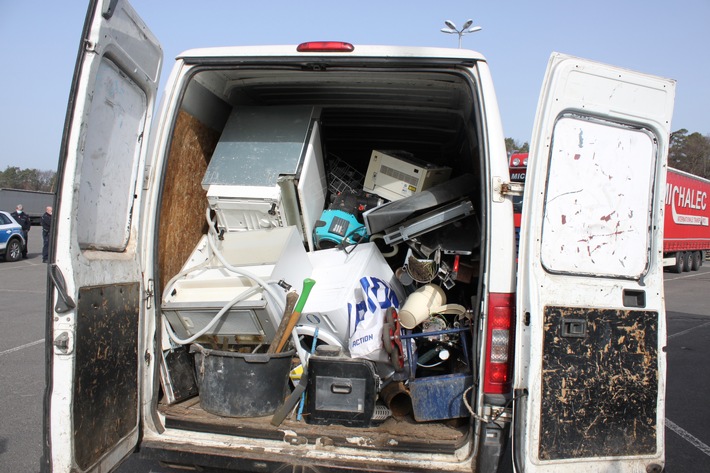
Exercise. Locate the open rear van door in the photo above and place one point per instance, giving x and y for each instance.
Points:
(94, 355)
(590, 368)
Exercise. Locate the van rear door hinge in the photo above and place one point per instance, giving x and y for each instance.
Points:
(503, 189)
(149, 294)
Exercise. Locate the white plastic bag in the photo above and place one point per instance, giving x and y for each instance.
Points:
(367, 317)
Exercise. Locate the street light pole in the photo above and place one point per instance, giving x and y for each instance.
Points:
(465, 29)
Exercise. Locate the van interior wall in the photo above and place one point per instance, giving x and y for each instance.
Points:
(183, 204)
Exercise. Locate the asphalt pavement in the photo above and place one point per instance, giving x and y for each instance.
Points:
(22, 305)
(22, 325)
(687, 406)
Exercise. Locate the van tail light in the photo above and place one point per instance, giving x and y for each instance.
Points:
(325, 47)
(499, 343)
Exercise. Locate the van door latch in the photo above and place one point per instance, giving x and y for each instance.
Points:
(63, 343)
(574, 328)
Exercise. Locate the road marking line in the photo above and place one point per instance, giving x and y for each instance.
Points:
(695, 274)
(22, 265)
(688, 330)
(26, 345)
(23, 291)
(694, 441)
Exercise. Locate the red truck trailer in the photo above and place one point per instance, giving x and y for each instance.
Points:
(686, 222)
(686, 230)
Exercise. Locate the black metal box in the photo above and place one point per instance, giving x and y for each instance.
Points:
(341, 391)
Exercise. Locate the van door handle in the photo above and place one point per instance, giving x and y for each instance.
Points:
(573, 328)
(64, 302)
(634, 298)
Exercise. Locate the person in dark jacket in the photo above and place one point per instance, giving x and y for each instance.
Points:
(46, 227)
(24, 220)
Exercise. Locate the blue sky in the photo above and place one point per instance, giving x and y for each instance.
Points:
(39, 41)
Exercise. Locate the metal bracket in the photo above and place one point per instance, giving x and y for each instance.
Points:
(503, 189)
(63, 343)
(149, 295)
(108, 10)
(146, 176)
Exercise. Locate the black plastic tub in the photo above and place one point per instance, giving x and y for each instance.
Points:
(235, 384)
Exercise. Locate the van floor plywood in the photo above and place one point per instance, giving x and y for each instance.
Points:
(392, 435)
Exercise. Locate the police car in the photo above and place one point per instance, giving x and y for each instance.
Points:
(11, 240)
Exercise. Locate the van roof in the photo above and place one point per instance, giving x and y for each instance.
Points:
(359, 51)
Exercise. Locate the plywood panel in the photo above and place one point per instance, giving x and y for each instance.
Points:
(182, 215)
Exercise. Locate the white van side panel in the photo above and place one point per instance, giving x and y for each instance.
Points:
(501, 237)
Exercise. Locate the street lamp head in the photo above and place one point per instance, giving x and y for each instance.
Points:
(467, 28)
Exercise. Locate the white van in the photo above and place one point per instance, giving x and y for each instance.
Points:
(362, 193)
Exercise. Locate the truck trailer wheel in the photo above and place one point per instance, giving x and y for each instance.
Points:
(687, 260)
(679, 265)
(696, 260)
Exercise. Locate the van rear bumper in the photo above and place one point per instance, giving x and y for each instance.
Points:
(264, 461)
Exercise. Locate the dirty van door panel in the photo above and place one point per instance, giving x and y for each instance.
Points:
(591, 276)
(106, 373)
(94, 352)
(613, 364)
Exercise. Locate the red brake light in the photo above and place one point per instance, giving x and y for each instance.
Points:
(325, 47)
(499, 344)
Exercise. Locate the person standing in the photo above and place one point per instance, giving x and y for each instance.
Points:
(46, 227)
(24, 220)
